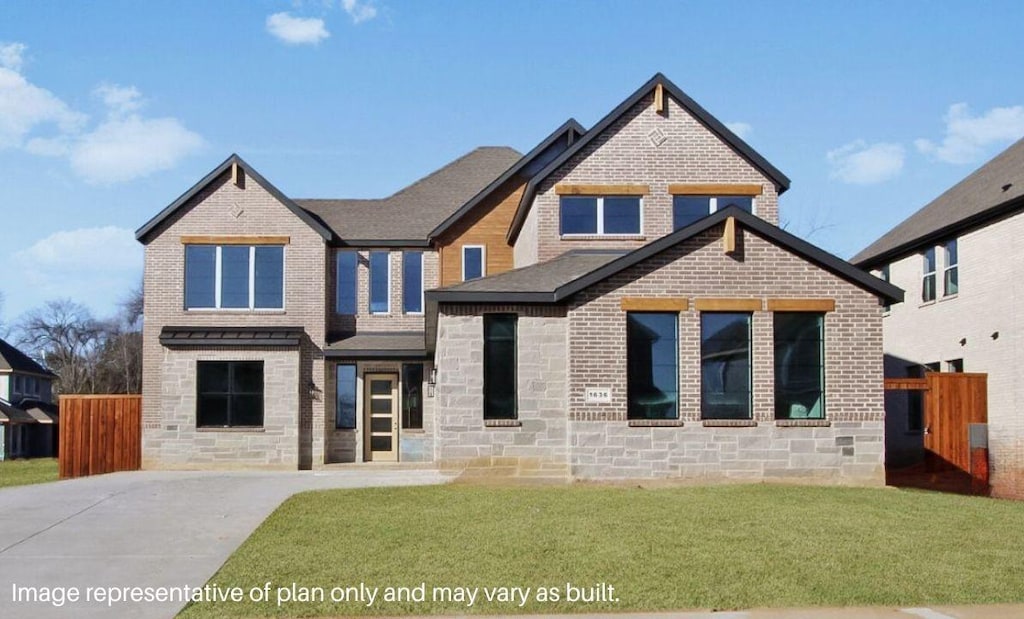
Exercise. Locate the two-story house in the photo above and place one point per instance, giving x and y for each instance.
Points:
(28, 420)
(958, 259)
(619, 302)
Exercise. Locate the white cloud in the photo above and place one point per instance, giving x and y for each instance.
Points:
(859, 163)
(297, 30)
(741, 129)
(90, 265)
(359, 11)
(967, 136)
(11, 56)
(25, 107)
(122, 149)
(123, 146)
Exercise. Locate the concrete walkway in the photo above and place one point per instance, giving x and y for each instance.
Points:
(144, 529)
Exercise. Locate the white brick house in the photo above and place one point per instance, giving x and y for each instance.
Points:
(961, 260)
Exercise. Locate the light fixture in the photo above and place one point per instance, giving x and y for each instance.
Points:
(433, 376)
(963, 341)
(314, 391)
(995, 335)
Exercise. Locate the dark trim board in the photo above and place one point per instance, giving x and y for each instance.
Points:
(231, 337)
(144, 233)
(378, 355)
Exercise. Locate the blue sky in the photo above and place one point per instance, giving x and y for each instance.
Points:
(110, 110)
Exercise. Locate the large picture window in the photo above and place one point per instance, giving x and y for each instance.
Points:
(799, 365)
(500, 366)
(345, 402)
(725, 361)
(380, 282)
(652, 369)
(234, 277)
(602, 215)
(347, 264)
(412, 282)
(412, 396)
(229, 394)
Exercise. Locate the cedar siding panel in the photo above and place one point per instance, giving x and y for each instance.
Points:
(486, 225)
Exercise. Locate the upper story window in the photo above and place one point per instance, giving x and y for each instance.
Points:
(928, 275)
(234, 277)
(473, 262)
(380, 282)
(688, 209)
(951, 276)
(601, 215)
(412, 282)
(884, 275)
(347, 263)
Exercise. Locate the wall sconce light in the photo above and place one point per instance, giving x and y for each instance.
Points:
(432, 382)
(314, 392)
(995, 335)
(963, 341)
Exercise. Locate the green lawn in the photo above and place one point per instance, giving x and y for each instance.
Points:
(720, 547)
(23, 472)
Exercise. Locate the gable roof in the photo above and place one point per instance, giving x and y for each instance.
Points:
(409, 216)
(703, 116)
(560, 278)
(144, 233)
(13, 360)
(569, 131)
(988, 193)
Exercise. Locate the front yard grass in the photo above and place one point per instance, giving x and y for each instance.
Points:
(24, 472)
(720, 547)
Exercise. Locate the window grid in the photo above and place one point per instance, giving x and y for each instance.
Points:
(951, 275)
(602, 217)
(195, 279)
(928, 275)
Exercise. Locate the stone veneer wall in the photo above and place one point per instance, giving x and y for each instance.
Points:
(848, 450)
(226, 209)
(177, 443)
(537, 447)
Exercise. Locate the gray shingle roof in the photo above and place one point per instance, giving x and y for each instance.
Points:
(543, 278)
(976, 199)
(12, 359)
(413, 212)
(231, 336)
(393, 344)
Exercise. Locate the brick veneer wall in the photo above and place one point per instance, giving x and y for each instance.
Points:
(226, 209)
(625, 153)
(539, 447)
(396, 319)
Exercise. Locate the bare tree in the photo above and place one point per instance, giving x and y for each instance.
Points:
(64, 335)
(120, 362)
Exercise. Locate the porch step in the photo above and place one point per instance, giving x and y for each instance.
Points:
(378, 466)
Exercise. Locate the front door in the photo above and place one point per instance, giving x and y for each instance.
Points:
(381, 414)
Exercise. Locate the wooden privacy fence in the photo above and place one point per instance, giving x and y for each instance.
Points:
(100, 434)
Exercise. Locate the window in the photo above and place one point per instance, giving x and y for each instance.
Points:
(229, 394)
(32, 386)
(950, 278)
(600, 215)
(884, 274)
(928, 277)
(412, 282)
(234, 277)
(380, 282)
(16, 386)
(725, 365)
(799, 365)
(500, 366)
(412, 396)
(347, 276)
(689, 209)
(955, 365)
(345, 401)
(473, 262)
(652, 370)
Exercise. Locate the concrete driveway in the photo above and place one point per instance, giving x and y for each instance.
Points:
(144, 529)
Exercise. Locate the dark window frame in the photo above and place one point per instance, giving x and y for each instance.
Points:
(633, 404)
(231, 394)
(253, 289)
(780, 389)
(412, 410)
(750, 368)
(338, 425)
(352, 288)
(418, 293)
(507, 368)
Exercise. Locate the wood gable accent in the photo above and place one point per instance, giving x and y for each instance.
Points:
(486, 225)
(801, 305)
(727, 305)
(234, 239)
(715, 189)
(565, 189)
(645, 304)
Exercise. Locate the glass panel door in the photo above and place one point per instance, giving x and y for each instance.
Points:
(381, 417)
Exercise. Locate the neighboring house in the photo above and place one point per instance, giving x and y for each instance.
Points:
(28, 420)
(961, 260)
(657, 323)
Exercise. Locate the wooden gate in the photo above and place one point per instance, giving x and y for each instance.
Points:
(953, 401)
(100, 434)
